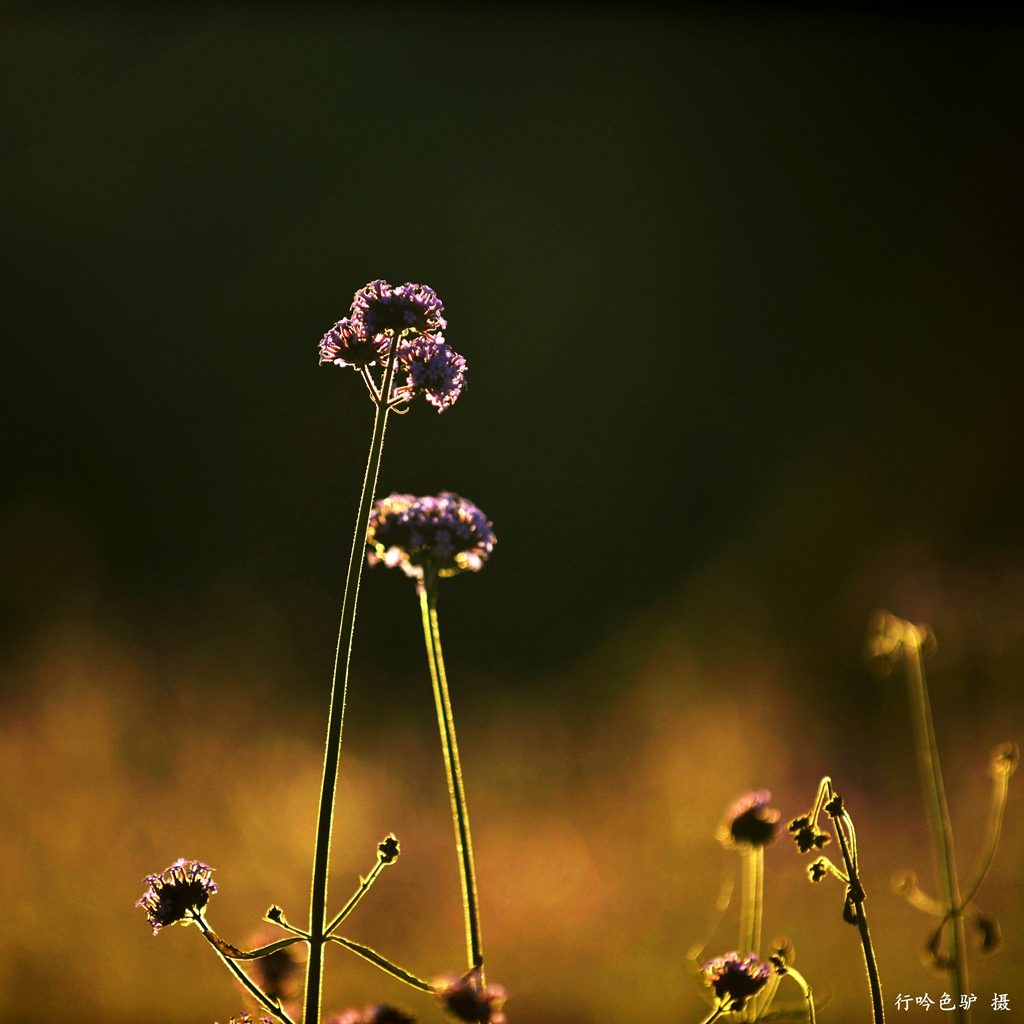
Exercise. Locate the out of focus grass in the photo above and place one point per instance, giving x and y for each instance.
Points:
(593, 827)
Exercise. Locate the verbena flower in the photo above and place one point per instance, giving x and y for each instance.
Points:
(346, 344)
(750, 821)
(445, 535)
(186, 886)
(736, 978)
(435, 370)
(381, 309)
(380, 1014)
(465, 999)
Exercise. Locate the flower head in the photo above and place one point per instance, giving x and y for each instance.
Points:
(736, 978)
(750, 822)
(434, 369)
(379, 1014)
(346, 344)
(467, 999)
(182, 890)
(383, 309)
(445, 535)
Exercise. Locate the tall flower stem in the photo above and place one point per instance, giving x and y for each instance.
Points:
(336, 716)
(456, 790)
(937, 809)
(751, 908)
(856, 896)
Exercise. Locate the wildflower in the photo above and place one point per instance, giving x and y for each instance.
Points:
(445, 535)
(750, 822)
(345, 344)
(382, 309)
(380, 1014)
(467, 1000)
(736, 978)
(435, 370)
(179, 894)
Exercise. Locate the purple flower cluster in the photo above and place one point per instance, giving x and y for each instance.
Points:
(467, 1000)
(184, 888)
(408, 318)
(736, 978)
(380, 1014)
(445, 535)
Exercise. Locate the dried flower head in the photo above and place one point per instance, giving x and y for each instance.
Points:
(434, 369)
(750, 822)
(346, 344)
(182, 890)
(468, 1000)
(379, 1014)
(736, 978)
(806, 835)
(383, 309)
(445, 535)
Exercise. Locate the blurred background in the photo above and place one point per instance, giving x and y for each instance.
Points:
(739, 292)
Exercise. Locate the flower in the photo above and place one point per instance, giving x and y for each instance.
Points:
(736, 978)
(379, 1014)
(178, 894)
(467, 999)
(345, 344)
(434, 369)
(750, 822)
(382, 309)
(445, 535)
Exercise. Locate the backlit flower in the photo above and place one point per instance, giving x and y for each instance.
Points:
(467, 1000)
(383, 309)
(750, 822)
(345, 344)
(434, 369)
(736, 978)
(445, 535)
(182, 890)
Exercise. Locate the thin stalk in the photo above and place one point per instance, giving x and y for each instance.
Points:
(456, 790)
(715, 1014)
(364, 887)
(261, 998)
(937, 810)
(336, 715)
(1001, 785)
(808, 995)
(857, 895)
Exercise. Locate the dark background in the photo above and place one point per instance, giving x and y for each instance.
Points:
(739, 289)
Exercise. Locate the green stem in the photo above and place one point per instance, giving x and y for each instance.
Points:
(336, 715)
(1001, 784)
(364, 886)
(261, 998)
(857, 895)
(382, 962)
(449, 745)
(938, 810)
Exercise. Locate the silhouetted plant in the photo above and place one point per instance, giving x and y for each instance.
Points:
(893, 641)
